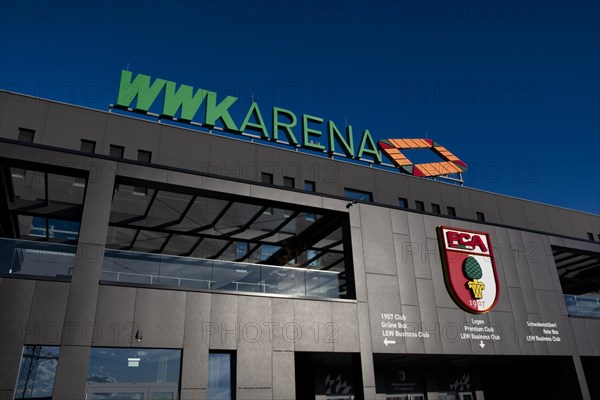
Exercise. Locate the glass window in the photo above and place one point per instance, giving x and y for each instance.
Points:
(266, 178)
(480, 217)
(358, 194)
(144, 156)
(117, 395)
(53, 204)
(87, 146)
(37, 372)
(25, 257)
(435, 208)
(60, 190)
(403, 202)
(241, 249)
(310, 186)
(310, 255)
(590, 236)
(116, 151)
(420, 205)
(289, 182)
(267, 250)
(28, 185)
(221, 378)
(126, 373)
(26, 135)
(452, 211)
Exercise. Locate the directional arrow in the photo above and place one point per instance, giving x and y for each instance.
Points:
(481, 344)
(386, 342)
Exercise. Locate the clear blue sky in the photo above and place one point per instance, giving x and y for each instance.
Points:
(512, 88)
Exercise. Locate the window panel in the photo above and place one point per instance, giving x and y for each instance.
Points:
(149, 241)
(220, 376)
(26, 135)
(116, 151)
(37, 372)
(127, 365)
(358, 194)
(168, 207)
(45, 205)
(88, 146)
(310, 186)
(420, 206)
(28, 185)
(203, 211)
(144, 156)
(120, 238)
(266, 178)
(288, 182)
(62, 190)
(127, 205)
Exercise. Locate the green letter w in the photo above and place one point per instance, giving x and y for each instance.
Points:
(141, 88)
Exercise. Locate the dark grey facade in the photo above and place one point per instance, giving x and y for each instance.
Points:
(288, 346)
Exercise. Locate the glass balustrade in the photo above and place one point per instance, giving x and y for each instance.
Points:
(31, 258)
(198, 273)
(583, 306)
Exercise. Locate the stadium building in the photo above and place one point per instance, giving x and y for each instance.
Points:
(146, 255)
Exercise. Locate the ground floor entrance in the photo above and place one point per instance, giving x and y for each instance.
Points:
(328, 376)
(462, 377)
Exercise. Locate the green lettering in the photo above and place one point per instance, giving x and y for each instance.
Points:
(260, 126)
(306, 132)
(141, 88)
(216, 112)
(335, 135)
(371, 149)
(182, 98)
(287, 128)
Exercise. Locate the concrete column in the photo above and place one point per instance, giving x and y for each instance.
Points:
(366, 353)
(284, 375)
(585, 393)
(83, 294)
(16, 296)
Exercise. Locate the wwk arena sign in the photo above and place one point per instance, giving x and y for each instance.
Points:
(205, 108)
(469, 268)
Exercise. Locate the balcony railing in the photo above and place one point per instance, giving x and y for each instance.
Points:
(31, 258)
(199, 273)
(583, 306)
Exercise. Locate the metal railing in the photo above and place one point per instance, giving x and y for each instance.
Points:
(200, 273)
(583, 306)
(31, 258)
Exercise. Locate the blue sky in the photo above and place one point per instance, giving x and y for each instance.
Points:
(512, 88)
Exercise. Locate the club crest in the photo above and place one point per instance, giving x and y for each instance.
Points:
(469, 268)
